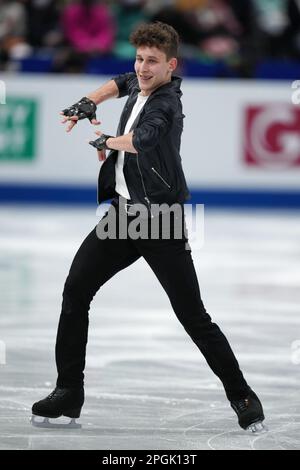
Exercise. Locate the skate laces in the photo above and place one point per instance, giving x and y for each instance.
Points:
(55, 393)
(241, 405)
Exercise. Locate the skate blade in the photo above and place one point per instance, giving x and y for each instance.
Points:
(45, 423)
(257, 428)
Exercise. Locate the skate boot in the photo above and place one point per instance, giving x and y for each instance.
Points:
(250, 413)
(60, 402)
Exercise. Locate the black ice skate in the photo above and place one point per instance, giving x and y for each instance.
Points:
(250, 413)
(61, 402)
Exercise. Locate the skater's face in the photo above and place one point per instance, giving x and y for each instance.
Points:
(153, 69)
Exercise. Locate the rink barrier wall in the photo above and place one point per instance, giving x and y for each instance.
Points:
(87, 195)
(240, 146)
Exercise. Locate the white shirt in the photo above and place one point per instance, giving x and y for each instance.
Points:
(121, 186)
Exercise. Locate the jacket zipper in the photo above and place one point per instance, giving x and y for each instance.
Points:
(162, 179)
(144, 188)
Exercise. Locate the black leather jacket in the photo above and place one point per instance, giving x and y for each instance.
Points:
(155, 174)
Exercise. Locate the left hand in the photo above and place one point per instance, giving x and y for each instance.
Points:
(101, 153)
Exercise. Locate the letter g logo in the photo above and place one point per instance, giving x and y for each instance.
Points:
(272, 136)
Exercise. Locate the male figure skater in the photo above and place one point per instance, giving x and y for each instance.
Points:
(143, 168)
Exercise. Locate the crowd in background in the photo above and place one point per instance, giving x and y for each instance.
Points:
(240, 33)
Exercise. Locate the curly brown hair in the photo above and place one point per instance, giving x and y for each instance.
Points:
(158, 34)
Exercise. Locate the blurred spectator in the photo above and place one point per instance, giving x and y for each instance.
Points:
(271, 16)
(13, 44)
(43, 29)
(182, 20)
(272, 21)
(88, 26)
(293, 29)
(217, 21)
(216, 27)
(153, 6)
(235, 33)
(128, 14)
(279, 25)
(224, 24)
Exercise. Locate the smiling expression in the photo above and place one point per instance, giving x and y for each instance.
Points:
(153, 69)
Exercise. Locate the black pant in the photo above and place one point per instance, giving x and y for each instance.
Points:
(97, 260)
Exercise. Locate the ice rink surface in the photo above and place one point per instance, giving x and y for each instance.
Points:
(147, 385)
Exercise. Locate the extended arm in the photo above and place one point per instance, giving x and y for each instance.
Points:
(104, 92)
(86, 107)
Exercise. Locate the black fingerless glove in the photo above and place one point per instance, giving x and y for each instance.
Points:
(100, 143)
(85, 108)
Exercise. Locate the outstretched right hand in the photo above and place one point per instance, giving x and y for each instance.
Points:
(85, 108)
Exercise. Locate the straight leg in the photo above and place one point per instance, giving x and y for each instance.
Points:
(173, 266)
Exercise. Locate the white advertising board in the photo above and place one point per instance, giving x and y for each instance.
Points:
(237, 134)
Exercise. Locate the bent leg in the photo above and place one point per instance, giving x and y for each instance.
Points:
(95, 263)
